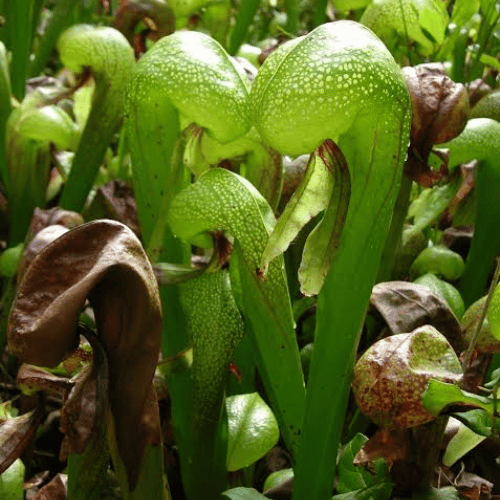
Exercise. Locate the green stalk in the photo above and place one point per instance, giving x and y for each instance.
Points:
(489, 21)
(111, 59)
(480, 141)
(19, 18)
(29, 165)
(62, 18)
(292, 13)
(244, 18)
(215, 329)
(319, 12)
(5, 110)
(396, 230)
(340, 83)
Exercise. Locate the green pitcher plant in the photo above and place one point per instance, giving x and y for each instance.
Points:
(338, 83)
(105, 54)
(183, 93)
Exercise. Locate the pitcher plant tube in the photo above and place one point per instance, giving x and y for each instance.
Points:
(222, 200)
(185, 78)
(106, 54)
(338, 83)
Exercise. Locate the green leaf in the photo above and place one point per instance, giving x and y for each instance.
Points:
(110, 58)
(493, 313)
(490, 60)
(253, 430)
(430, 204)
(276, 478)
(341, 83)
(5, 110)
(381, 491)
(463, 10)
(325, 185)
(215, 328)
(158, 99)
(462, 442)
(49, 124)
(421, 21)
(62, 16)
(346, 5)
(480, 141)
(323, 242)
(479, 421)
(20, 18)
(244, 17)
(87, 471)
(438, 259)
(439, 395)
(352, 477)
(444, 290)
(244, 494)
(11, 482)
(9, 260)
(310, 198)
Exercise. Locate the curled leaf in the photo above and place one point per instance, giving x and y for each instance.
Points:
(106, 53)
(37, 244)
(440, 106)
(103, 262)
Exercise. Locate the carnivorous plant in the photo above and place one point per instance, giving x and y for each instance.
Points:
(338, 83)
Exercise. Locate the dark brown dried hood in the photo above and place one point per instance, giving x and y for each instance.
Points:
(102, 261)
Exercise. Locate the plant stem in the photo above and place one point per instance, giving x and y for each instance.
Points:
(473, 342)
(395, 231)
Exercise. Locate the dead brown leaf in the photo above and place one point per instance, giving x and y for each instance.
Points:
(405, 306)
(474, 487)
(156, 15)
(104, 262)
(31, 379)
(16, 434)
(440, 110)
(57, 489)
(118, 200)
(392, 446)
